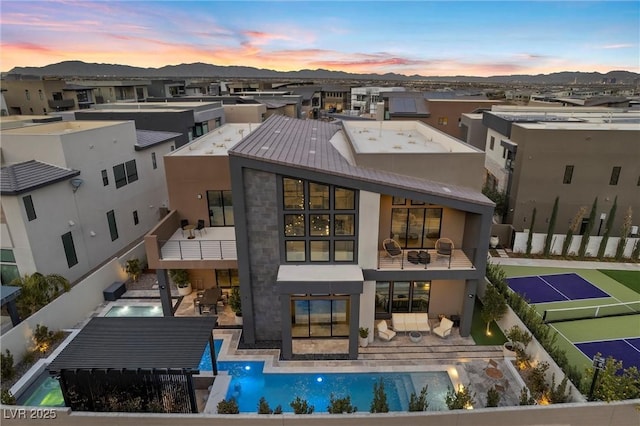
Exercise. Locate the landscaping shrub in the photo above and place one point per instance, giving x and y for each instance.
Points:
(7, 369)
(301, 406)
(419, 403)
(7, 398)
(340, 405)
(493, 397)
(461, 399)
(525, 397)
(228, 406)
(263, 406)
(379, 403)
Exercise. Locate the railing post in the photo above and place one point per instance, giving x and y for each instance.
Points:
(221, 254)
(200, 247)
(180, 246)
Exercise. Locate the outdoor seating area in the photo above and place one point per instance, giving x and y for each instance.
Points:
(385, 333)
(410, 322)
(444, 328)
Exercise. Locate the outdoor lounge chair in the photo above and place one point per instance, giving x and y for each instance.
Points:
(444, 328)
(392, 248)
(383, 332)
(200, 227)
(444, 247)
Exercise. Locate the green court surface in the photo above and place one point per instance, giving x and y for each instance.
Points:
(630, 279)
(590, 329)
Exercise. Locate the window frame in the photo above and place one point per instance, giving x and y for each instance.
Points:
(105, 177)
(27, 200)
(615, 175)
(113, 225)
(568, 174)
(69, 249)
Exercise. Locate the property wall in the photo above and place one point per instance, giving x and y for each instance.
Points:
(538, 240)
(452, 110)
(264, 248)
(622, 413)
(68, 310)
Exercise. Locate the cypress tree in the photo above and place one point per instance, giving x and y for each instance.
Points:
(607, 229)
(587, 231)
(530, 237)
(551, 229)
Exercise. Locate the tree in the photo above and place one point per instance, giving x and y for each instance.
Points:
(301, 406)
(419, 403)
(38, 290)
(607, 228)
(493, 306)
(587, 231)
(624, 231)
(228, 406)
(614, 383)
(340, 405)
(379, 403)
(461, 399)
(530, 237)
(133, 268)
(498, 197)
(493, 397)
(573, 228)
(552, 228)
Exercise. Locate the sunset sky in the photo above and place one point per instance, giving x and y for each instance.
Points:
(426, 38)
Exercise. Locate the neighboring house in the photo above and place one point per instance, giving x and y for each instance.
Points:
(365, 99)
(440, 110)
(108, 91)
(74, 193)
(313, 203)
(30, 95)
(190, 119)
(336, 98)
(199, 188)
(576, 154)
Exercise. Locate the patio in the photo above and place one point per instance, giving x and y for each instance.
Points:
(211, 243)
(459, 260)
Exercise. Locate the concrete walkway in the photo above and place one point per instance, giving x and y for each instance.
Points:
(574, 264)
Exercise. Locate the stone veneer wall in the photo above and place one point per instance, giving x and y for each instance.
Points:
(264, 251)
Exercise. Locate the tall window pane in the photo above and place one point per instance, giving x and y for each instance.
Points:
(216, 208)
(119, 175)
(615, 175)
(382, 297)
(105, 178)
(319, 251)
(432, 227)
(415, 229)
(420, 299)
(113, 228)
(568, 174)
(293, 194)
(132, 171)
(345, 199)
(28, 205)
(228, 208)
(318, 196)
(401, 296)
(69, 249)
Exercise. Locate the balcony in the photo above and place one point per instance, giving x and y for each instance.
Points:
(61, 104)
(213, 244)
(460, 260)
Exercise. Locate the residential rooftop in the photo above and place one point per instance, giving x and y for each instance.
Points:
(195, 104)
(62, 127)
(378, 137)
(218, 141)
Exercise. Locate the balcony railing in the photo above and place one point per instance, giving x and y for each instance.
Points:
(62, 103)
(460, 259)
(198, 250)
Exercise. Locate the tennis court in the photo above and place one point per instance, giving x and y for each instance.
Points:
(605, 320)
(554, 288)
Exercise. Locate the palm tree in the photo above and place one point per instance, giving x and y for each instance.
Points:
(38, 290)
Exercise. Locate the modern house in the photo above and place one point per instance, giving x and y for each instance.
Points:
(537, 154)
(189, 119)
(75, 193)
(313, 204)
(121, 90)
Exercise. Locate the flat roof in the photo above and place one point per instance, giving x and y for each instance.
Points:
(148, 138)
(319, 273)
(132, 343)
(62, 127)
(218, 141)
(397, 137)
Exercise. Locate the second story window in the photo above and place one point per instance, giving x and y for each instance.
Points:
(568, 174)
(27, 95)
(113, 227)
(125, 173)
(105, 178)
(28, 206)
(220, 208)
(492, 142)
(154, 162)
(615, 175)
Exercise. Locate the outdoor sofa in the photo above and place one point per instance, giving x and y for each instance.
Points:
(410, 322)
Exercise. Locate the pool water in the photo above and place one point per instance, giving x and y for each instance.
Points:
(249, 384)
(44, 392)
(135, 311)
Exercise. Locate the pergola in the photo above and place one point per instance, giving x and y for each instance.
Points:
(9, 294)
(143, 364)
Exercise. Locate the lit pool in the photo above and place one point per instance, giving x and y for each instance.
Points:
(249, 384)
(135, 311)
(44, 391)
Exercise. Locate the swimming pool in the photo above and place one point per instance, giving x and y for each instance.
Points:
(44, 391)
(135, 311)
(249, 383)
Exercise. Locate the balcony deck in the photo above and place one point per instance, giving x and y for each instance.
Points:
(218, 243)
(459, 261)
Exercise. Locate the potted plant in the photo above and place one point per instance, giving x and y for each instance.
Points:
(494, 241)
(181, 278)
(236, 304)
(364, 337)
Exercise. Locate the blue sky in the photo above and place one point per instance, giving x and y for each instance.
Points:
(420, 37)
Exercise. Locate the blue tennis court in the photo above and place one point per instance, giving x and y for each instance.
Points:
(625, 350)
(554, 288)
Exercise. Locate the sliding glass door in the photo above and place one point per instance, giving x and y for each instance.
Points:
(316, 317)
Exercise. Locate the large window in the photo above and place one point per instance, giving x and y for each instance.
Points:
(125, 173)
(319, 316)
(416, 227)
(220, 208)
(568, 174)
(28, 206)
(69, 249)
(8, 268)
(113, 227)
(615, 175)
(401, 296)
(227, 278)
(319, 222)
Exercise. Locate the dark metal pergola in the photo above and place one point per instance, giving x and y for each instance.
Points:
(9, 294)
(134, 364)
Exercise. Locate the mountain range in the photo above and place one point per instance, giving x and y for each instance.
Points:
(94, 70)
